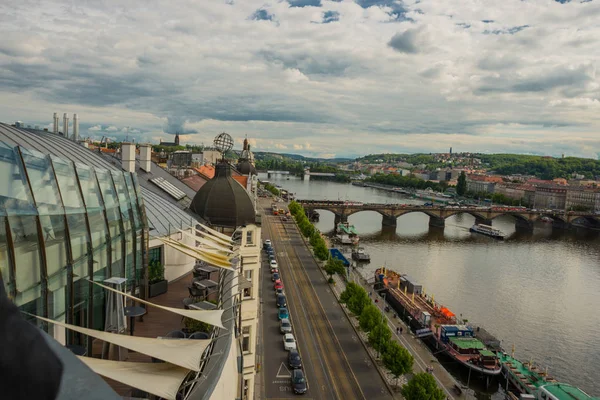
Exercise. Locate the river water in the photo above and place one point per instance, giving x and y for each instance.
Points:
(539, 291)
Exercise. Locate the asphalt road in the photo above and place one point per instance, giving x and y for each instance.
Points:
(335, 363)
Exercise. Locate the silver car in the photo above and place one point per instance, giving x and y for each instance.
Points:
(285, 326)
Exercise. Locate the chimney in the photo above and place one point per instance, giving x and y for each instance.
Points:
(75, 128)
(128, 156)
(65, 125)
(145, 157)
(55, 126)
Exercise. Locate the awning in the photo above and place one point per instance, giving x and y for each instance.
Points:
(210, 317)
(216, 233)
(195, 253)
(214, 238)
(209, 252)
(182, 352)
(160, 379)
(208, 243)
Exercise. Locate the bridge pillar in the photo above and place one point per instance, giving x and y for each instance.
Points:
(338, 219)
(437, 221)
(523, 225)
(389, 221)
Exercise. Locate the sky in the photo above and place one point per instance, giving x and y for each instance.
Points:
(320, 78)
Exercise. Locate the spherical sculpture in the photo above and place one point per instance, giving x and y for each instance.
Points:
(223, 143)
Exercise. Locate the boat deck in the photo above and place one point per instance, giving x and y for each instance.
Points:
(530, 378)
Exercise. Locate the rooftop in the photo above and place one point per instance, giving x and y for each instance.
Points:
(467, 343)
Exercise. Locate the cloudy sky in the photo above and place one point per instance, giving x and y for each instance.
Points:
(312, 77)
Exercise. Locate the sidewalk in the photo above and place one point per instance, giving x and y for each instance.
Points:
(420, 352)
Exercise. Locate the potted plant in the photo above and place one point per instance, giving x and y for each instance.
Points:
(156, 279)
(191, 326)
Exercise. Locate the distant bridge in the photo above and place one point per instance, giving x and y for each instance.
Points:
(278, 172)
(318, 173)
(438, 214)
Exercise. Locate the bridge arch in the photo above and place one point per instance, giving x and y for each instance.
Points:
(451, 213)
(587, 220)
(560, 218)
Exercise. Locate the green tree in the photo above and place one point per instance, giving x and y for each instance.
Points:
(334, 266)
(398, 360)
(380, 336)
(461, 185)
(369, 318)
(359, 301)
(351, 289)
(422, 387)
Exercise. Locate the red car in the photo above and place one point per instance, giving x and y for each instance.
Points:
(278, 284)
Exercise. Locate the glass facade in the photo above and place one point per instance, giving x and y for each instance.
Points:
(62, 223)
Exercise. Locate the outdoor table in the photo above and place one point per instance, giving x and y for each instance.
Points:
(132, 312)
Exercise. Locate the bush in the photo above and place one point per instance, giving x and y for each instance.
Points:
(156, 272)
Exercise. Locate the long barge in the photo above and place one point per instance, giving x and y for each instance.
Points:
(436, 323)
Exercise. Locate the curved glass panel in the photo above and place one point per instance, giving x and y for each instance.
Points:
(79, 235)
(98, 229)
(107, 188)
(89, 187)
(67, 183)
(55, 239)
(23, 229)
(122, 192)
(138, 190)
(41, 177)
(15, 197)
(133, 201)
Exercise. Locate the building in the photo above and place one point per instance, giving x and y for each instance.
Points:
(482, 183)
(550, 197)
(516, 191)
(210, 156)
(580, 198)
(72, 219)
(171, 144)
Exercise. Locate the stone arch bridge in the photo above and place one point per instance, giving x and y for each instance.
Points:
(438, 214)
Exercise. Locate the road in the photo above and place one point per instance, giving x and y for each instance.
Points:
(335, 363)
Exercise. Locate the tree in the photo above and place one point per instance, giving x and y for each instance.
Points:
(334, 266)
(359, 301)
(369, 318)
(398, 360)
(350, 291)
(380, 336)
(422, 387)
(321, 251)
(461, 185)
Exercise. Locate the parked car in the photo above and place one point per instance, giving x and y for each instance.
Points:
(267, 243)
(273, 263)
(299, 382)
(275, 277)
(283, 313)
(294, 360)
(285, 326)
(279, 291)
(289, 342)
(274, 271)
(281, 301)
(278, 284)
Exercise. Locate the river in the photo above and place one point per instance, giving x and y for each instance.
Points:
(538, 291)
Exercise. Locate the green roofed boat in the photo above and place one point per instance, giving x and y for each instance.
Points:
(533, 383)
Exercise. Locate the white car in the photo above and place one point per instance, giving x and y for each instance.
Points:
(285, 326)
(273, 264)
(289, 343)
(267, 243)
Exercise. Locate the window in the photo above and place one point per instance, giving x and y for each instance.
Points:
(246, 339)
(155, 254)
(248, 275)
(249, 238)
(246, 388)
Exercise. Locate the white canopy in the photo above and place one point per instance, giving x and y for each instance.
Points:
(216, 233)
(195, 253)
(182, 352)
(212, 317)
(160, 379)
(208, 252)
(214, 238)
(208, 242)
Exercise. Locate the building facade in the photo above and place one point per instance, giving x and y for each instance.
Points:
(550, 197)
(582, 199)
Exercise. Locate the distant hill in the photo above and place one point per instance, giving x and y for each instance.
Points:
(262, 155)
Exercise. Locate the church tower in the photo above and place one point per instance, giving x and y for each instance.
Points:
(177, 139)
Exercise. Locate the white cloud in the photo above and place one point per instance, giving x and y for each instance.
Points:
(479, 75)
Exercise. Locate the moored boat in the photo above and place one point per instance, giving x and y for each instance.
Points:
(347, 234)
(359, 254)
(433, 321)
(488, 231)
(523, 376)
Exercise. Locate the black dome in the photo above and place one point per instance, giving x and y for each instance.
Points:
(245, 167)
(222, 201)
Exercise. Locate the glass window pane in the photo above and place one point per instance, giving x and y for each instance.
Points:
(41, 177)
(79, 235)
(113, 215)
(15, 197)
(98, 229)
(57, 295)
(27, 251)
(107, 188)
(67, 183)
(55, 239)
(122, 192)
(117, 258)
(133, 200)
(138, 190)
(89, 187)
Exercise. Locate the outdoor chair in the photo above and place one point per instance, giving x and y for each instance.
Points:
(199, 335)
(188, 301)
(176, 335)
